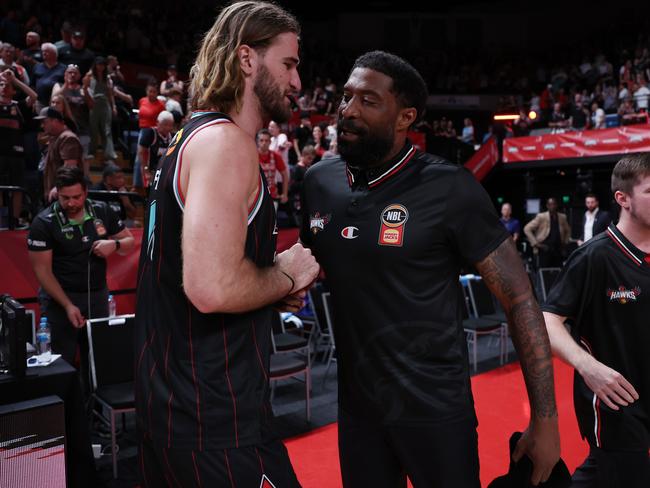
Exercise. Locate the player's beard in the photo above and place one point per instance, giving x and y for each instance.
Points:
(273, 102)
(369, 148)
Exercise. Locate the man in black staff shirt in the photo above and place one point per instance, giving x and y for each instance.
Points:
(391, 227)
(605, 290)
(68, 245)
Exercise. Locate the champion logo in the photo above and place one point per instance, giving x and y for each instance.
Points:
(350, 232)
(266, 483)
(622, 295)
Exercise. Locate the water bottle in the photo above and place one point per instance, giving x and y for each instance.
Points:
(112, 306)
(44, 341)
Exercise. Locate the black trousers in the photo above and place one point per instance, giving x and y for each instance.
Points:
(265, 465)
(613, 469)
(432, 456)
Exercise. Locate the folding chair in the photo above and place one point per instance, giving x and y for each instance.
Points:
(112, 371)
(483, 305)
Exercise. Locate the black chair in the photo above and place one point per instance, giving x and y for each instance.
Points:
(111, 376)
(291, 359)
(285, 341)
(485, 306)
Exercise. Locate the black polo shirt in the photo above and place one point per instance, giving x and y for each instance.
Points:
(605, 288)
(70, 243)
(391, 241)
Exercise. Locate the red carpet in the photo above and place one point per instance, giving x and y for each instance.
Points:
(502, 408)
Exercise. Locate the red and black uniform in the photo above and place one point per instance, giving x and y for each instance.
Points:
(202, 392)
(392, 240)
(605, 290)
(272, 163)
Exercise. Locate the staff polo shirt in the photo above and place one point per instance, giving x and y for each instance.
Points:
(391, 241)
(605, 288)
(71, 242)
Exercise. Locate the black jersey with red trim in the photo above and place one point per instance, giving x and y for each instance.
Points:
(605, 289)
(201, 379)
(392, 241)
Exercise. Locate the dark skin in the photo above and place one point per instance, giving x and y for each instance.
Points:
(369, 103)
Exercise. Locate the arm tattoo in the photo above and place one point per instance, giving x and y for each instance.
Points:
(504, 275)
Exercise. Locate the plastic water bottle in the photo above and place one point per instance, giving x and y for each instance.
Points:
(44, 341)
(112, 306)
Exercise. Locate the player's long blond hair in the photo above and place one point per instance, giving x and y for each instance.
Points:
(216, 80)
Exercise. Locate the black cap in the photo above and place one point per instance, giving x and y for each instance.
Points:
(100, 60)
(78, 33)
(49, 113)
(519, 473)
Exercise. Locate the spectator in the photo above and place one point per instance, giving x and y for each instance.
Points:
(548, 233)
(8, 60)
(594, 221)
(61, 105)
(13, 115)
(467, 136)
(152, 145)
(77, 52)
(450, 130)
(64, 149)
(641, 95)
(307, 158)
(102, 110)
(579, 115)
(302, 133)
(32, 52)
(280, 143)
(597, 116)
(113, 180)
(173, 103)
(332, 152)
(149, 109)
(66, 36)
(273, 165)
(558, 118)
(319, 142)
(171, 83)
(47, 74)
(511, 224)
(114, 72)
(78, 97)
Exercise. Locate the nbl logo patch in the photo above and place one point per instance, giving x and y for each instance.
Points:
(393, 225)
(622, 295)
(174, 142)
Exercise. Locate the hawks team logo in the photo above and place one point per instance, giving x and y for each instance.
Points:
(317, 222)
(172, 145)
(393, 225)
(623, 295)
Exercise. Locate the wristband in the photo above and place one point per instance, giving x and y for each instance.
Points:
(118, 244)
(293, 283)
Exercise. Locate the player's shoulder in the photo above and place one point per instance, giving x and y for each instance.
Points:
(324, 168)
(431, 164)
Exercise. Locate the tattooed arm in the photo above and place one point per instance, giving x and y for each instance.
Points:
(504, 274)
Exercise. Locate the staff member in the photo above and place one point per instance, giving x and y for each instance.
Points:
(605, 289)
(68, 245)
(391, 227)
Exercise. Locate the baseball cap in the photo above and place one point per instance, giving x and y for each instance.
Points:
(77, 33)
(49, 113)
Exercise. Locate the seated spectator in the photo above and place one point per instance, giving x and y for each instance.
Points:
(467, 136)
(641, 95)
(113, 180)
(64, 150)
(558, 118)
(579, 114)
(318, 140)
(450, 131)
(597, 116)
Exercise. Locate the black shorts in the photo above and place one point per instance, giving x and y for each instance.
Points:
(432, 456)
(265, 465)
(613, 469)
(12, 171)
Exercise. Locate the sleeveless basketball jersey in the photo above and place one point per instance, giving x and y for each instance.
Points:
(201, 379)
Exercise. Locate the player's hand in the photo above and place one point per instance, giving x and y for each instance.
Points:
(541, 443)
(292, 303)
(74, 316)
(299, 263)
(608, 385)
(104, 248)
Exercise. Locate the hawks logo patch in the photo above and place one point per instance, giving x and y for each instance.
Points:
(623, 295)
(266, 483)
(172, 145)
(317, 222)
(393, 225)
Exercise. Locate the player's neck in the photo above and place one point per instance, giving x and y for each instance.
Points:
(248, 118)
(635, 232)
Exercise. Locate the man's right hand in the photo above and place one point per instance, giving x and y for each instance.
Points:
(608, 385)
(74, 316)
(299, 263)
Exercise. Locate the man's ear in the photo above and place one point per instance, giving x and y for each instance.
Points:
(622, 199)
(247, 59)
(406, 118)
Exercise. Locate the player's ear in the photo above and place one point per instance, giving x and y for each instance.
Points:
(247, 59)
(405, 118)
(622, 198)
